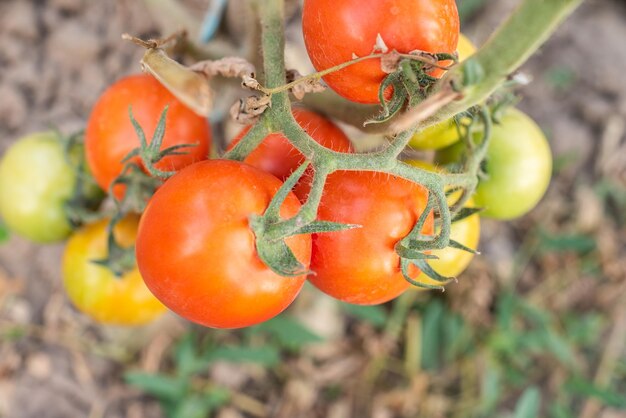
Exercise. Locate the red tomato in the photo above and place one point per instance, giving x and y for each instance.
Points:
(360, 265)
(278, 157)
(197, 253)
(336, 30)
(110, 135)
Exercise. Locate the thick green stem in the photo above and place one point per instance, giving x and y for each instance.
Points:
(249, 142)
(272, 13)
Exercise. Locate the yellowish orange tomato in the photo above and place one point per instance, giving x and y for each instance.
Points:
(95, 290)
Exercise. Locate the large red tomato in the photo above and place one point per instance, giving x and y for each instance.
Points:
(360, 265)
(336, 30)
(110, 135)
(197, 253)
(278, 157)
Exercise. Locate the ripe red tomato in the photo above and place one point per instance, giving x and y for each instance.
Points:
(197, 253)
(336, 30)
(110, 135)
(360, 265)
(278, 157)
(94, 289)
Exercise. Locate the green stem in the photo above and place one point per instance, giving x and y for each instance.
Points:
(249, 142)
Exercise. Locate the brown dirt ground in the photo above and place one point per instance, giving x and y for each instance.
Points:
(57, 56)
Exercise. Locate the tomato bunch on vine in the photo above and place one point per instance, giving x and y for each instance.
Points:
(229, 241)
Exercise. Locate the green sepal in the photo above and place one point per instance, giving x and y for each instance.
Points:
(139, 188)
(272, 213)
(279, 258)
(319, 227)
(465, 213)
(404, 268)
(430, 272)
(455, 244)
(397, 101)
(119, 260)
(151, 153)
(412, 254)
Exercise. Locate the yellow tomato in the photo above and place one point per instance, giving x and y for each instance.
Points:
(445, 133)
(452, 261)
(95, 290)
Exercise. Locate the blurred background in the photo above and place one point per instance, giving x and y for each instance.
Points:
(536, 327)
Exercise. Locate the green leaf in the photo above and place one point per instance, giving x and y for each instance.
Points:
(528, 404)
(606, 396)
(578, 243)
(557, 410)
(265, 356)
(432, 335)
(491, 389)
(289, 332)
(375, 315)
(200, 405)
(4, 232)
(186, 356)
(559, 347)
(162, 387)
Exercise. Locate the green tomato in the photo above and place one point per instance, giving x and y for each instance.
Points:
(436, 136)
(518, 165)
(35, 182)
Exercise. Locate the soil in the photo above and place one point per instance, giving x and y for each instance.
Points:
(57, 56)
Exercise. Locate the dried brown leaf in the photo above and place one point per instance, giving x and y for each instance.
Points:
(247, 111)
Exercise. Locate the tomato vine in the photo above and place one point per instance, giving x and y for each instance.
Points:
(464, 88)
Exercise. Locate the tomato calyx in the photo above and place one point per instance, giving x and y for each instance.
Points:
(151, 153)
(410, 81)
(270, 230)
(139, 186)
(119, 260)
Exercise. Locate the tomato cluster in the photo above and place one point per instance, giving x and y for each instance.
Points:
(196, 244)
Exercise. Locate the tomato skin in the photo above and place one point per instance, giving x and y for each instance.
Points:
(95, 290)
(110, 135)
(452, 261)
(444, 133)
(335, 30)
(360, 266)
(519, 165)
(204, 265)
(277, 156)
(35, 182)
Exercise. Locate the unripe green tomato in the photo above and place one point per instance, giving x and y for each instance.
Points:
(444, 133)
(35, 182)
(518, 164)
